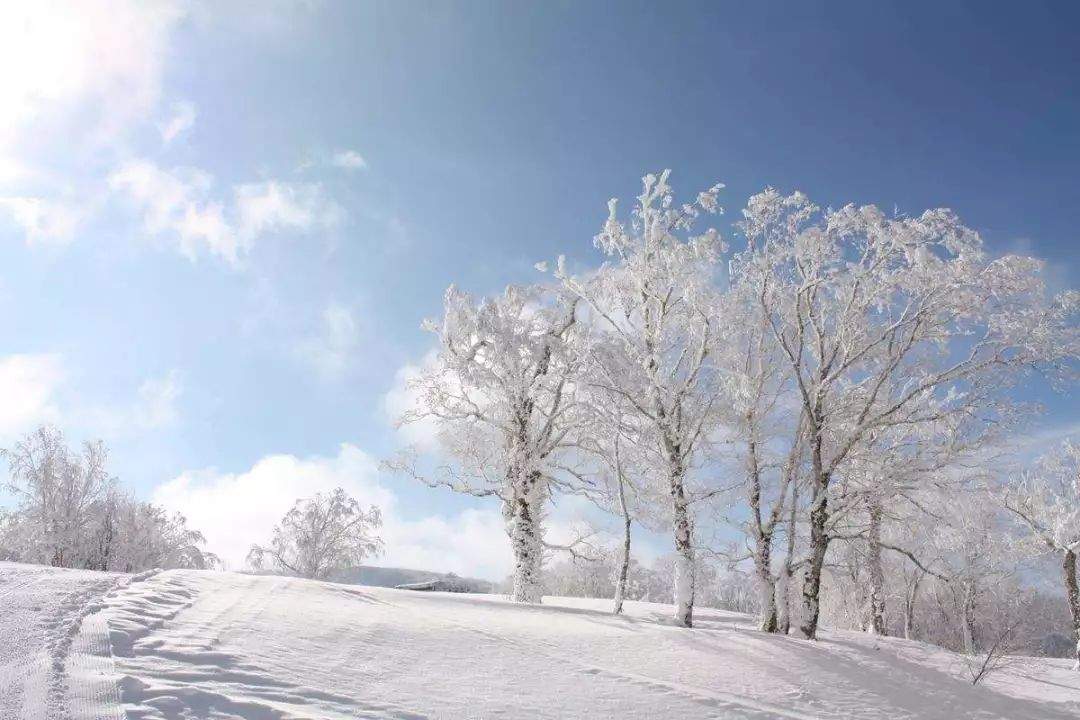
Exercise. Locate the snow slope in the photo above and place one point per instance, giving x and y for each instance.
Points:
(183, 644)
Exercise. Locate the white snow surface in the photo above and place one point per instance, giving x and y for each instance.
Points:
(185, 644)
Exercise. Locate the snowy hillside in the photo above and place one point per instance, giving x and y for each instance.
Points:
(189, 644)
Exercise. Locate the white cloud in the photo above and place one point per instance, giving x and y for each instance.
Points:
(275, 206)
(174, 203)
(180, 121)
(472, 543)
(44, 222)
(177, 204)
(333, 348)
(349, 160)
(28, 386)
(235, 510)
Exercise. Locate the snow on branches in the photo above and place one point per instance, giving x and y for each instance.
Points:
(71, 513)
(654, 308)
(1046, 500)
(320, 535)
(854, 365)
(503, 394)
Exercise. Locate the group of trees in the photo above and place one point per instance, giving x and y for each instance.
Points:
(836, 390)
(69, 512)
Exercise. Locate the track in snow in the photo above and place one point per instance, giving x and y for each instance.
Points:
(42, 611)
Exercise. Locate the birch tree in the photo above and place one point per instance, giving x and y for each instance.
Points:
(766, 421)
(611, 439)
(654, 301)
(502, 394)
(887, 322)
(1046, 500)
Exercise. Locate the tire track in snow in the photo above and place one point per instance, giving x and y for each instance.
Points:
(60, 632)
(59, 635)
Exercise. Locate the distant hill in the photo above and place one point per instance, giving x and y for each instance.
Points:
(393, 577)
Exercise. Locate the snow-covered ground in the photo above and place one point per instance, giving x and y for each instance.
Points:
(184, 644)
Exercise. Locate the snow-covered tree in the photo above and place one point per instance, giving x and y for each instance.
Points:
(609, 438)
(888, 322)
(57, 492)
(1046, 499)
(654, 305)
(502, 393)
(320, 535)
(71, 513)
(976, 560)
(130, 535)
(764, 423)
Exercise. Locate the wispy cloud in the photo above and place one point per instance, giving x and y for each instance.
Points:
(181, 120)
(348, 160)
(178, 204)
(43, 221)
(332, 349)
(157, 399)
(38, 389)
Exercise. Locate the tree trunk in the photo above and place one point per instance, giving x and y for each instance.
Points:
(783, 607)
(526, 541)
(967, 618)
(783, 588)
(684, 549)
(819, 545)
(624, 567)
(766, 584)
(763, 536)
(875, 610)
(910, 600)
(1073, 593)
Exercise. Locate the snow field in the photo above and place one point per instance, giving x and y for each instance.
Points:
(189, 644)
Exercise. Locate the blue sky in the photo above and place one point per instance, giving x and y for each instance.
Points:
(221, 224)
